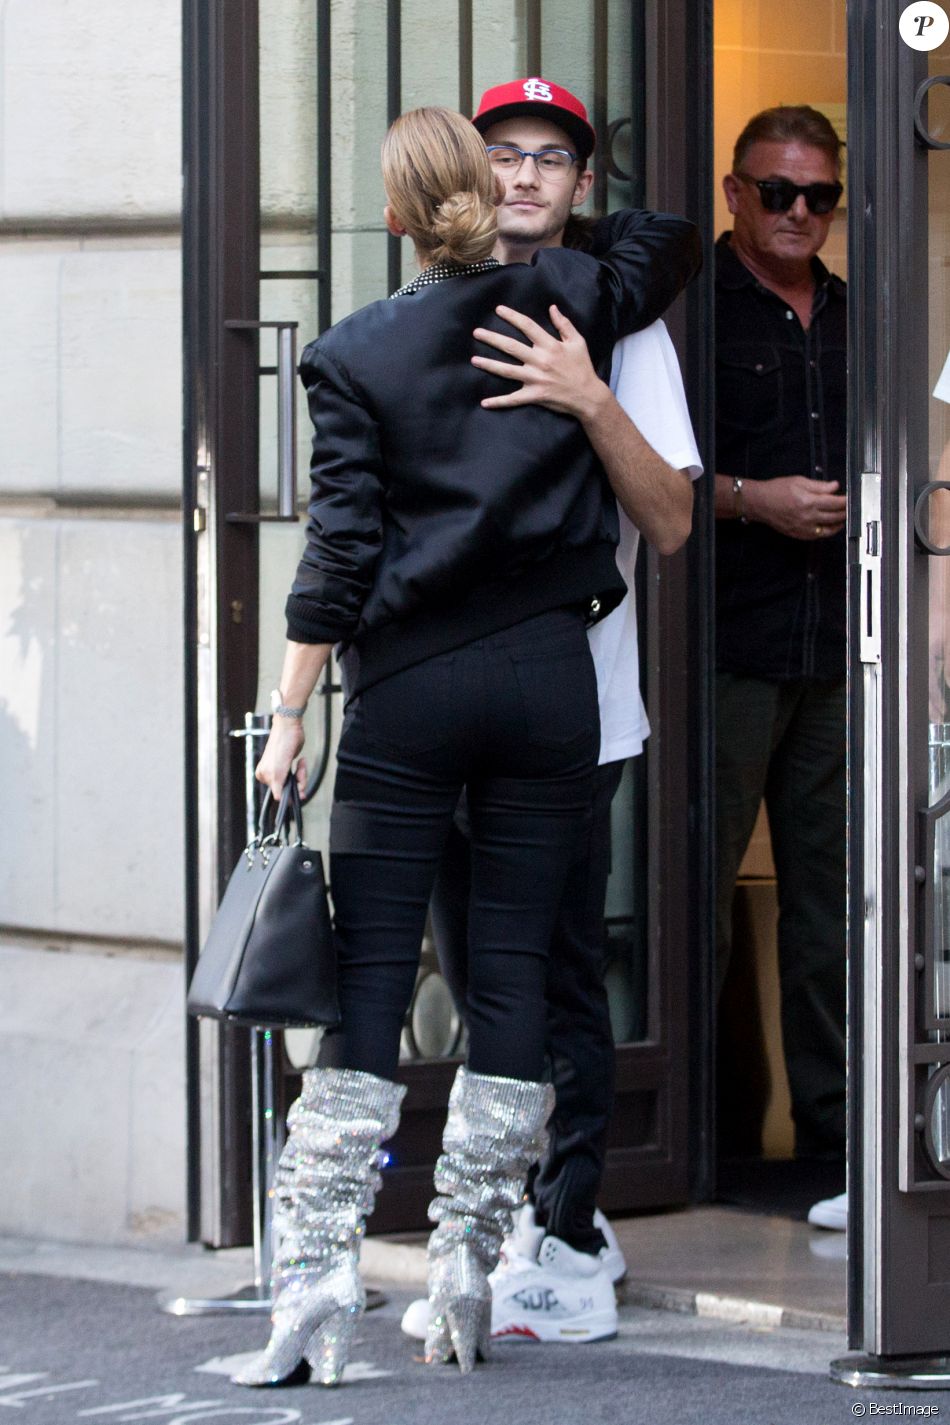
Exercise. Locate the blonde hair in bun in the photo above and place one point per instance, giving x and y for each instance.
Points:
(440, 186)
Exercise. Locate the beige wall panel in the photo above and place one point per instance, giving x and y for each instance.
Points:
(497, 45)
(29, 371)
(288, 100)
(90, 719)
(92, 1048)
(27, 722)
(359, 270)
(567, 48)
(359, 113)
(120, 361)
(117, 747)
(429, 55)
(96, 85)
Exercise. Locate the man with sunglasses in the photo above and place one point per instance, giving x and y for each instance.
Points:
(781, 389)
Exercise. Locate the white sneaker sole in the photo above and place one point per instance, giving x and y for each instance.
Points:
(598, 1326)
(833, 1220)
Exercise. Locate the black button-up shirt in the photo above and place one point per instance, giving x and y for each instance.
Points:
(781, 396)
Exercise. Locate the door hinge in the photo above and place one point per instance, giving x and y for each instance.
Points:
(869, 562)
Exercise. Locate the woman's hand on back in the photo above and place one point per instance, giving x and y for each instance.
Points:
(554, 371)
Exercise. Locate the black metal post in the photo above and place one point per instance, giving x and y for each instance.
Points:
(599, 105)
(532, 27)
(466, 57)
(324, 166)
(638, 112)
(393, 108)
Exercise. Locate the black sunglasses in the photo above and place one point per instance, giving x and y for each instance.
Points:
(778, 194)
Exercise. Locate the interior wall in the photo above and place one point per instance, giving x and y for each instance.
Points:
(771, 52)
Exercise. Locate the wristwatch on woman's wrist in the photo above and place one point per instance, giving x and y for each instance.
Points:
(280, 709)
(738, 501)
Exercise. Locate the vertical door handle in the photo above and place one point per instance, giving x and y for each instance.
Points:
(869, 563)
(286, 420)
(286, 373)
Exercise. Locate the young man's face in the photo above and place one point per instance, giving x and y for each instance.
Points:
(535, 209)
(779, 237)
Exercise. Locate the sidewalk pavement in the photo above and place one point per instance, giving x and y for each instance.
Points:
(82, 1338)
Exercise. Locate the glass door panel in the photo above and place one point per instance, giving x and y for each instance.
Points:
(932, 529)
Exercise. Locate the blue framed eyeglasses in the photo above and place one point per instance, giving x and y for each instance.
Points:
(550, 162)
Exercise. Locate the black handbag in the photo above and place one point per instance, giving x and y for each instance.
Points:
(270, 958)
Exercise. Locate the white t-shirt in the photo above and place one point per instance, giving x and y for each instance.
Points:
(645, 377)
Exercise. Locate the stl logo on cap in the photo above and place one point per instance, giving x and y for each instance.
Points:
(535, 89)
(537, 96)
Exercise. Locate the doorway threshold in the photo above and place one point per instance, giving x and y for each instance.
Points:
(745, 1268)
(742, 1267)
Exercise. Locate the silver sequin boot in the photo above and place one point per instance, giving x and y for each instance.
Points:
(325, 1188)
(494, 1133)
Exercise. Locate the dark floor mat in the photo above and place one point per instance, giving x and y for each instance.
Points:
(778, 1186)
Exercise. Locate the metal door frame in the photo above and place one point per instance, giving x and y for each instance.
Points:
(681, 704)
(896, 1309)
(220, 272)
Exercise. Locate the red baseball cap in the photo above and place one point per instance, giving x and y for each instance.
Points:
(542, 99)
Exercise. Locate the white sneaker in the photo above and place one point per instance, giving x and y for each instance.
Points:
(525, 1237)
(523, 1240)
(562, 1296)
(415, 1319)
(831, 1212)
(612, 1255)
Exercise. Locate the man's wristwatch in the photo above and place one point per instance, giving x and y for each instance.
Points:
(279, 708)
(741, 515)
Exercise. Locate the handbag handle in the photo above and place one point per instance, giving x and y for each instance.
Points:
(288, 806)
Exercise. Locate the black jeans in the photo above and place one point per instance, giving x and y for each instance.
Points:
(786, 742)
(579, 1040)
(512, 717)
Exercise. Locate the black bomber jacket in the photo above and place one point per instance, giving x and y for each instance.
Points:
(433, 521)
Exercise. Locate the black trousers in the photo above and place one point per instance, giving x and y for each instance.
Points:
(579, 1040)
(786, 742)
(513, 717)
